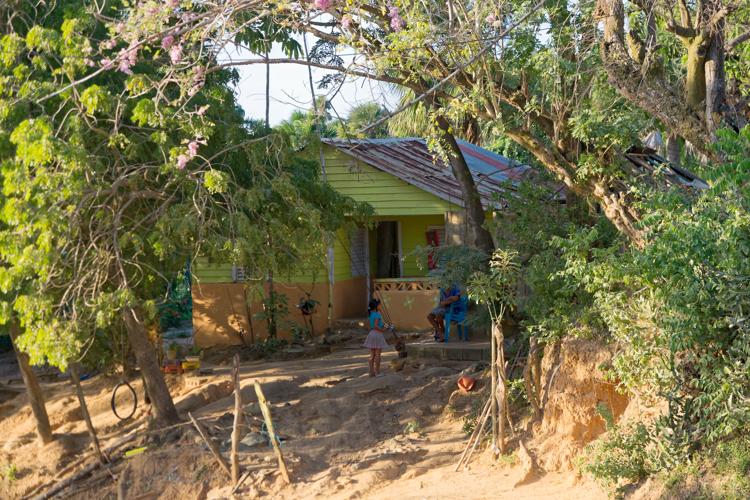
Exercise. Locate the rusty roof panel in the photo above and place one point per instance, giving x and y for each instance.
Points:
(410, 160)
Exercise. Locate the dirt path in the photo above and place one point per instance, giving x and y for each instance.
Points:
(347, 436)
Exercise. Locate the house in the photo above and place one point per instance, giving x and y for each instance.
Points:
(417, 202)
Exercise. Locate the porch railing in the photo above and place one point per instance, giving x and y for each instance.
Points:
(402, 285)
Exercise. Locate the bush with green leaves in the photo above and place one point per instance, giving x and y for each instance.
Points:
(679, 309)
(620, 458)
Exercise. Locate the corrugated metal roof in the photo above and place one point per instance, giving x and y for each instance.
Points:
(410, 160)
(648, 162)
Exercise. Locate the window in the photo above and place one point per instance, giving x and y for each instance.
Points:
(238, 274)
(358, 251)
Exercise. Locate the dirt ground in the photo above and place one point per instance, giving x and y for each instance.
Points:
(345, 435)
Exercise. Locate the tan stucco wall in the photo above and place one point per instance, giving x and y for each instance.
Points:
(408, 310)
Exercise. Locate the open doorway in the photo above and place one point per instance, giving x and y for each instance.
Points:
(387, 250)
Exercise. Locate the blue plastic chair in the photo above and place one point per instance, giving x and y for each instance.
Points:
(457, 314)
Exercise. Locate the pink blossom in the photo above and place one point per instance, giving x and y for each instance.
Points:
(182, 161)
(202, 110)
(490, 19)
(124, 66)
(193, 148)
(396, 22)
(167, 42)
(173, 4)
(127, 59)
(346, 21)
(322, 4)
(175, 54)
(109, 44)
(106, 63)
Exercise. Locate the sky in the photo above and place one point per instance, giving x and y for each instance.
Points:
(290, 88)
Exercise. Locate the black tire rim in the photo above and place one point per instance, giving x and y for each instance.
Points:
(114, 398)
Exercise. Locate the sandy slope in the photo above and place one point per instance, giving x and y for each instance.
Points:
(345, 437)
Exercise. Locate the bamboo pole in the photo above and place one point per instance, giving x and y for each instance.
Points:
(501, 390)
(482, 430)
(211, 445)
(237, 420)
(493, 388)
(85, 412)
(266, 409)
(482, 416)
(474, 438)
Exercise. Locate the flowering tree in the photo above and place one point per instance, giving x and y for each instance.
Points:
(120, 160)
(541, 73)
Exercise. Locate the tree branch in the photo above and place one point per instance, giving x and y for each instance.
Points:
(734, 42)
(332, 67)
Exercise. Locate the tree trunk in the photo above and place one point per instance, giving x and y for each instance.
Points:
(695, 82)
(715, 81)
(673, 150)
(478, 236)
(268, 93)
(33, 390)
(164, 409)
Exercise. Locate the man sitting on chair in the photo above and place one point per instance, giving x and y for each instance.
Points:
(437, 316)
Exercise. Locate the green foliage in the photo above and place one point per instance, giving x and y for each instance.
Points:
(300, 333)
(360, 117)
(620, 458)
(455, 264)
(497, 287)
(720, 472)
(275, 312)
(9, 473)
(176, 309)
(678, 308)
(268, 347)
(412, 427)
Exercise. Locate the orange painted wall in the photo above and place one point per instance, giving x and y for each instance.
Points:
(220, 309)
(350, 298)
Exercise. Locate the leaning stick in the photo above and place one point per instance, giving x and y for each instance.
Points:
(239, 483)
(61, 485)
(211, 445)
(482, 419)
(482, 427)
(271, 433)
(85, 412)
(237, 420)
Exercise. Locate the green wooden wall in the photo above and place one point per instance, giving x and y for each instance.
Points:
(387, 194)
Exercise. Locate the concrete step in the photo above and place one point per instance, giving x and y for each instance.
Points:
(452, 351)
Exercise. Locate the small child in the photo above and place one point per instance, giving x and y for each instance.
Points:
(375, 340)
